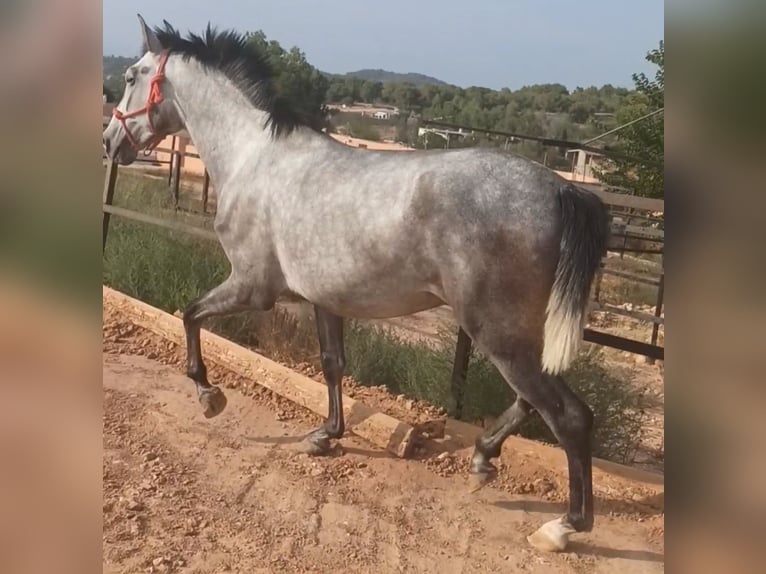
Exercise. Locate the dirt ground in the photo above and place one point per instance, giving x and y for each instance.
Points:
(235, 494)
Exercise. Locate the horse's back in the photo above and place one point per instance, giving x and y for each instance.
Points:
(407, 229)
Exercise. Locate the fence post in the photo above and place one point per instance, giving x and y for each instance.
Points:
(205, 188)
(460, 370)
(658, 310)
(176, 179)
(599, 278)
(172, 157)
(109, 184)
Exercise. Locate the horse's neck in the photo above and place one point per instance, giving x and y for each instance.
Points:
(222, 123)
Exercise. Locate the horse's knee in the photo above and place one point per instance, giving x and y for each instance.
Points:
(333, 365)
(574, 416)
(579, 416)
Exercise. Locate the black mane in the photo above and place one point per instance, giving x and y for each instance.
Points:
(230, 53)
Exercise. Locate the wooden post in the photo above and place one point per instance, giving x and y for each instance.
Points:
(599, 277)
(460, 370)
(109, 184)
(176, 179)
(172, 157)
(205, 189)
(658, 311)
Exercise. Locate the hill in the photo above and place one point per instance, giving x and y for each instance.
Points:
(114, 74)
(116, 65)
(384, 76)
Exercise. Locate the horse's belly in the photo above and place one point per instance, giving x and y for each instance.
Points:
(379, 307)
(373, 297)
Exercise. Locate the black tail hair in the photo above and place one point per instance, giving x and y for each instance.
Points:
(584, 237)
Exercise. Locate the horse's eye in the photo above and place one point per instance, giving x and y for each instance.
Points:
(130, 80)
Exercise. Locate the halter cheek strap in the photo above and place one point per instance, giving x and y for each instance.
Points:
(155, 99)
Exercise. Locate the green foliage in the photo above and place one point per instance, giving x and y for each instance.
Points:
(295, 79)
(163, 268)
(378, 356)
(644, 140)
(541, 110)
(110, 98)
(114, 74)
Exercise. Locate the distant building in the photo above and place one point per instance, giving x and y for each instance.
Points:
(583, 164)
(376, 111)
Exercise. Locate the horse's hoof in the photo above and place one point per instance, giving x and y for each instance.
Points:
(482, 472)
(552, 536)
(317, 445)
(213, 402)
(478, 480)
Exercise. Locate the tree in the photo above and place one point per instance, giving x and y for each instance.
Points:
(294, 78)
(643, 141)
(371, 91)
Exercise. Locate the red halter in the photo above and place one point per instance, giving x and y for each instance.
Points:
(155, 98)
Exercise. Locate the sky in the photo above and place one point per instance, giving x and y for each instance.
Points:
(488, 43)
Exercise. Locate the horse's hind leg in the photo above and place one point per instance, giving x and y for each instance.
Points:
(489, 444)
(330, 329)
(574, 434)
(223, 300)
(570, 419)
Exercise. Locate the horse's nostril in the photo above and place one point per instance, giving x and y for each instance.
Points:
(107, 146)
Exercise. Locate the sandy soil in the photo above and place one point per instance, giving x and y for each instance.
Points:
(235, 494)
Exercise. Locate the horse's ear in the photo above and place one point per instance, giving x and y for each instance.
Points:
(151, 42)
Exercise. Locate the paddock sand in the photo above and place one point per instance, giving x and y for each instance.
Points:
(234, 494)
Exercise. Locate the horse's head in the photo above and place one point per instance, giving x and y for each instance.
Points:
(145, 114)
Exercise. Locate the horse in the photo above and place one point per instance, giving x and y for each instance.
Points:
(511, 247)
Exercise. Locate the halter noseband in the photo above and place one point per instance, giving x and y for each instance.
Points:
(155, 99)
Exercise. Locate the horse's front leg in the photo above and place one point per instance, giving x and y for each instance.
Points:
(330, 329)
(223, 300)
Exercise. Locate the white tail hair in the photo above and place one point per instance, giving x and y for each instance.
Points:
(584, 235)
(563, 334)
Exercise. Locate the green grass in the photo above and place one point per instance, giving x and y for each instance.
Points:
(169, 270)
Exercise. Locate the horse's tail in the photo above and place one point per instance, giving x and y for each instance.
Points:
(584, 236)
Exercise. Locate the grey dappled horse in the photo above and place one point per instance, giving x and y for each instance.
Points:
(511, 247)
